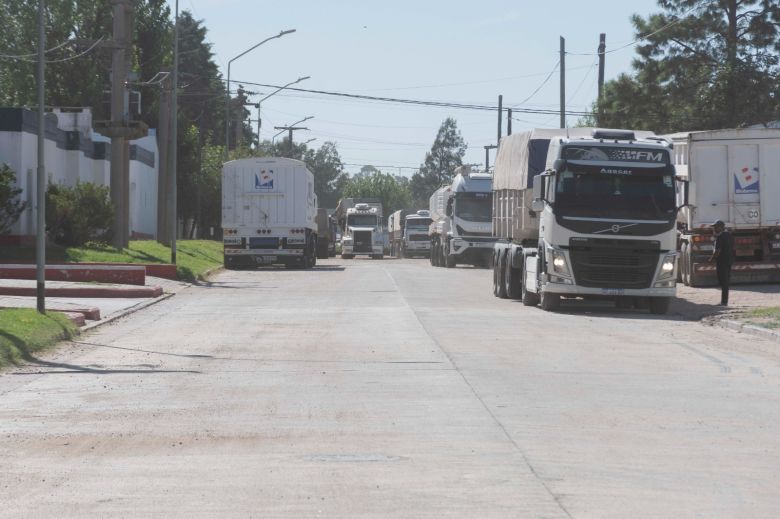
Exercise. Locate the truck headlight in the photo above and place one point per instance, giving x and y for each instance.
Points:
(667, 267)
(559, 264)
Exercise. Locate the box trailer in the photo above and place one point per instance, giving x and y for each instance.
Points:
(268, 213)
(734, 176)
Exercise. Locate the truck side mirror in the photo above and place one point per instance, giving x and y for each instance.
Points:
(559, 165)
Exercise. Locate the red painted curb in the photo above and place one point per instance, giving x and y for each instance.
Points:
(74, 317)
(159, 270)
(123, 274)
(110, 292)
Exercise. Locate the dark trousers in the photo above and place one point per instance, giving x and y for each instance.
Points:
(724, 278)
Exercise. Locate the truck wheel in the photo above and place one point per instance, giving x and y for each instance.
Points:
(449, 259)
(511, 280)
(499, 287)
(347, 256)
(528, 298)
(660, 305)
(550, 302)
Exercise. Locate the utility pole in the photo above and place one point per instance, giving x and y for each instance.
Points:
(509, 121)
(563, 82)
(487, 155)
(120, 128)
(163, 145)
(40, 195)
(602, 50)
(290, 130)
(174, 135)
(500, 110)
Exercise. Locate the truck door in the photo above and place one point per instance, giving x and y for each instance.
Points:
(713, 185)
(769, 164)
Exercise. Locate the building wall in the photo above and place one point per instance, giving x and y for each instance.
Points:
(73, 154)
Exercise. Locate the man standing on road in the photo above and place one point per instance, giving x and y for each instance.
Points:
(723, 256)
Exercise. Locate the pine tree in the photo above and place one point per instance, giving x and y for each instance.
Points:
(701, 65)
(446, 154)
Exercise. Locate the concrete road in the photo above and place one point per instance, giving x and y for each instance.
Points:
(391, 388)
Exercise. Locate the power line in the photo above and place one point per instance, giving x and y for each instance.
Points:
(22, 56)
(441, 104)
(66, 59)
(646, 36)
(543, 83)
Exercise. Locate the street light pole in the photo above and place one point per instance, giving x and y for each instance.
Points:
(259, 120)
(227, 92)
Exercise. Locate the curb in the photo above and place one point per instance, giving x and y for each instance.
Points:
(126, 311)
(750, 329)
(86, 291)
(206, 276)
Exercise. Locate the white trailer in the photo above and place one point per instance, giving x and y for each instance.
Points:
(585, 217)
(460, 220)
(734, 176)
(268, 213)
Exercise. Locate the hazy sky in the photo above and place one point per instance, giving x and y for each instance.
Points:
(449, 51)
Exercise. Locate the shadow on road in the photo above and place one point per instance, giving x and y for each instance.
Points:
(680, 310)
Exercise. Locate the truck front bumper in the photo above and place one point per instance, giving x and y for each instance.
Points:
(350, 250)
(579, 291)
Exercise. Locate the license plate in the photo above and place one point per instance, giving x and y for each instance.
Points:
(268, 259)
(612, 291)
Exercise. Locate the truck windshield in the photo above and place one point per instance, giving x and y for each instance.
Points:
(601, 195)
(418, 224)
(474, 208)
(361, 220)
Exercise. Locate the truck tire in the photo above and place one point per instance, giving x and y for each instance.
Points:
(549, 302)
(528, 298)
(660, 305)
(499, 287)
(347, 256)
(512, 280)
(449, 259)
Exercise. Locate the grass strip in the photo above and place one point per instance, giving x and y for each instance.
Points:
(24, 331)
(768, 317)
(193, 257)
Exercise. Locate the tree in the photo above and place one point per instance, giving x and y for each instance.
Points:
(379, 185)
(10, 205)
(702, 65)
(445, 155)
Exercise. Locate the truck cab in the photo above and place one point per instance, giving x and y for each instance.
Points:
(415, 235)
(461, 214)
(362, 232)
(606, 216)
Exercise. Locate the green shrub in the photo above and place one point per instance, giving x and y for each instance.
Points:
(80, 214)
(10, 206)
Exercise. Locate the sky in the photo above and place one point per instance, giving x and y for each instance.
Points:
(433, 50)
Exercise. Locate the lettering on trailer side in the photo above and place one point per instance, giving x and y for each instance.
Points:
(746, 181)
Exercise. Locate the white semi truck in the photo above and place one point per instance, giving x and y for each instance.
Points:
(734, 176)
(408, 231)
(361, 227)
(585, 217)
(268, 213)
(460, 229)
(415, 241)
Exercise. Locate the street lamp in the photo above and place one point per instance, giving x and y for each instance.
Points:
(227, 93)
(259, 122)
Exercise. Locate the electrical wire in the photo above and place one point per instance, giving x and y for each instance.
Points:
(34, 54)
(63, 60)
(441, 104)
(646, 36)
(543, 83)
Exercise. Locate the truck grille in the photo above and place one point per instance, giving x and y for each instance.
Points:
(604, 263)
(362, 241)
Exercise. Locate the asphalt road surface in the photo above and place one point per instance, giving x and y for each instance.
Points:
(365, 389)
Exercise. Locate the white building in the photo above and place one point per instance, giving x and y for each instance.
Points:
(74, 153)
